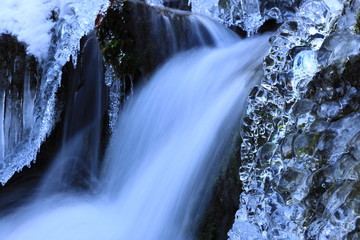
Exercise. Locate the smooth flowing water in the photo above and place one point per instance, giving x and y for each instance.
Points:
(161, 156)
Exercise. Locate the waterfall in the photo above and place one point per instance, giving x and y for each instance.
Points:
(172, 119)
(77, 162)
(160, 158)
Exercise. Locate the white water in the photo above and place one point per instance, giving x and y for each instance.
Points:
(160, 157)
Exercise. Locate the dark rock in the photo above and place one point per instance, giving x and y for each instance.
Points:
(269, 25)
(73, 98)
(177, 4)
(136, 37)
(223, 204)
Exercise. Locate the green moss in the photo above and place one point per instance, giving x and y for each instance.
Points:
(135, 37)
(116, 40)
(127, 38)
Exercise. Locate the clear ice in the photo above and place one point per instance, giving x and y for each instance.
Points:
(293, 159)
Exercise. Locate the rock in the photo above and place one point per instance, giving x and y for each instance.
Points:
(136, 37)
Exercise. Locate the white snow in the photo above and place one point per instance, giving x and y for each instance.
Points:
(30, 20)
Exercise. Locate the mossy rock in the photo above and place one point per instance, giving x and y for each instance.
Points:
(136, 38)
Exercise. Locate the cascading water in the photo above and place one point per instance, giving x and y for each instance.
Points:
(78, 159)
(300, 147)
(160, 157)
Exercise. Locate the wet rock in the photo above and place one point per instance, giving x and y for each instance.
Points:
(136, 37)
(177, 4)
(78, 104)
(224, 199)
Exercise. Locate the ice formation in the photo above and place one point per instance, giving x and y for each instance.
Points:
(292, 189)
(250, 15)
(59, 25)
(300, 169)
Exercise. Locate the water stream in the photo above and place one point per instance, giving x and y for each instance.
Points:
(170, 130)
(160, 157)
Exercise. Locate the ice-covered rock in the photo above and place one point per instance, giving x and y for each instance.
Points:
(294, 194)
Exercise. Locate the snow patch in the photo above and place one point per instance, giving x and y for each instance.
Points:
(32, 21)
